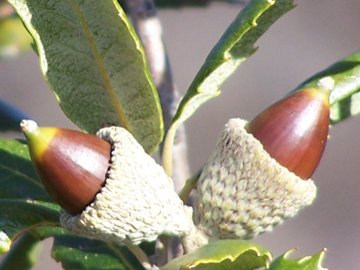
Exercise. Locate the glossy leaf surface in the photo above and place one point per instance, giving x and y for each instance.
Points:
(95, 64)
(223, 254)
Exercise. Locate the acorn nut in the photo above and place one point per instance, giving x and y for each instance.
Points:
(108, 187)
(254, 179)
(62, 155)
(294, 130)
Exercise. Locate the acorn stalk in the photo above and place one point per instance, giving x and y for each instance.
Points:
(254, 179)
(108, 187)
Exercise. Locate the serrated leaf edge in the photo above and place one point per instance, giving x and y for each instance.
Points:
(320, 256)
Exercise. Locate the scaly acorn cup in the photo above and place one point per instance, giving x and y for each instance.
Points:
(108, 187)
(255, 177)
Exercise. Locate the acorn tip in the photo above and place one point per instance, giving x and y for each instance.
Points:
(327, 84)
(27, 125)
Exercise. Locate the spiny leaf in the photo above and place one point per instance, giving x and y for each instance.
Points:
(345, 96)
(307, 263)
(95, 64)
(223, 254)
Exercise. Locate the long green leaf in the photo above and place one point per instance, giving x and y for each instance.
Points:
(234, 47)
(307, 263)
(95, 64)
(223, 254)
(345, 96)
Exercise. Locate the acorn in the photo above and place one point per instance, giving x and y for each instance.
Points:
(294, 130)
(62, 155)
(255, 178)
(110, 189)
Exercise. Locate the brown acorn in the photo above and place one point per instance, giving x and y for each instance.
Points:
(71, 164)
(294, 130)
(110, 189)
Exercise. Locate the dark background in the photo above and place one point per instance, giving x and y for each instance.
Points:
(307, 39)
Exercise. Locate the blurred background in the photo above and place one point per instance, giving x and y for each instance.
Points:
(307, 39)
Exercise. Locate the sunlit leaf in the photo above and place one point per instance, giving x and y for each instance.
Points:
(223, 254)
(234, 47)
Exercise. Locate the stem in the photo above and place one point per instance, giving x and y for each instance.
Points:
(148, 27)
(167, 152)
(141, 256)
(189, 186)
(137, 252)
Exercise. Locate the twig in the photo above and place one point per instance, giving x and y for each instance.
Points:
(142, 257)
(188, 187)
(148, 27)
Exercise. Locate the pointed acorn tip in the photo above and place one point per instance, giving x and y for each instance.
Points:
(28, 126)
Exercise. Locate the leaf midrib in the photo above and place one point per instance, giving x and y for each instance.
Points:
(108, 87)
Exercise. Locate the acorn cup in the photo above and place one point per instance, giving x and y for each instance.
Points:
(258, 175)
(108, 187)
